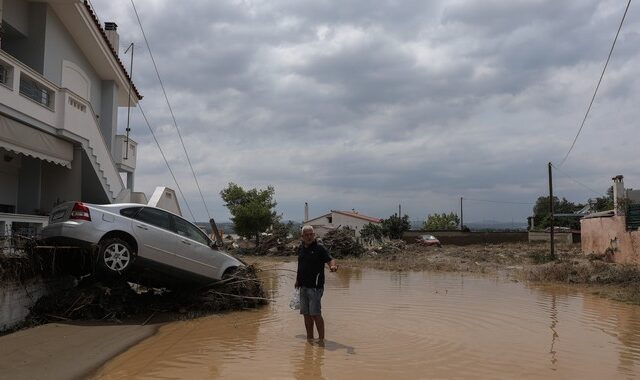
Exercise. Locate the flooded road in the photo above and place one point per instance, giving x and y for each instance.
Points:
(383, 325)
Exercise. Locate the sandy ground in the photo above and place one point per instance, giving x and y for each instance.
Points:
(65, 351)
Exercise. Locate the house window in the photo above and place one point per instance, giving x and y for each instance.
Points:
(5, 74)
(36, 91)
(330, 219)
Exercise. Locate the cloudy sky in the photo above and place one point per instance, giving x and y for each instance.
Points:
(366, 104)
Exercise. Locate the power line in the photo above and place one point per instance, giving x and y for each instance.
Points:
(165, 161)
(598, 86)
(175, 123)
(578, 182)
(492, 201)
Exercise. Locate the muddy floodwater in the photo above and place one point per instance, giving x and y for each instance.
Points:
(383, 325)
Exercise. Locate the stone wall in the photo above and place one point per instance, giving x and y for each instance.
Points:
(609, 236)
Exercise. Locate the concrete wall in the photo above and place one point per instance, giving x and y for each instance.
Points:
(30, 184)
(17, 298)
(60, 46)
(559, 237)
(610, 236)
(466, 238)
(9, 174)
(60, 184)
(30, 21)
(15, 13)
(344, 220)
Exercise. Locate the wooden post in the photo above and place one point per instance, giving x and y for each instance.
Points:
(461, 216)
(552, 254)
(216, 233)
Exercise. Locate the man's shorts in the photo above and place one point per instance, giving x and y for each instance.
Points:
(310, 301)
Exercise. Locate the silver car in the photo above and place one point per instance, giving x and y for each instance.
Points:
(146, 242)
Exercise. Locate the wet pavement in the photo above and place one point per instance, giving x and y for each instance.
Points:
(383, 325)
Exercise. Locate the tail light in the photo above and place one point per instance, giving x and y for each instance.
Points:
(80, 211)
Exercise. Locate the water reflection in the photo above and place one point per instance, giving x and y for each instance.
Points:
(309, 364)
(409, 325)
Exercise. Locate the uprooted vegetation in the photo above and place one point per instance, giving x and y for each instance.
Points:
(118, 300)
(97, 297)
(617, 281)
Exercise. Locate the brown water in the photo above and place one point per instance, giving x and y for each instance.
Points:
(383, 325)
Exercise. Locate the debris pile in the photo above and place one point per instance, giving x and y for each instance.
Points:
(19, 260)
(117, 300)
(387, 247)
(276, 245)
(342, 243)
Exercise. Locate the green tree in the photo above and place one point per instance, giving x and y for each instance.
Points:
(371, 231)
(542, 213)
(604, 203)
(395, 226)
(252, 211)
(442, 221)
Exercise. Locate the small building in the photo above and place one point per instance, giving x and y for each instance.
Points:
(615, 234)
(336, 219)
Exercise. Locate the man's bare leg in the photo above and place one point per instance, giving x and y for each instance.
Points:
(320, 325)
(308, 324)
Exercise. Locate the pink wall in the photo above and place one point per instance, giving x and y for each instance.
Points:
(602, 234)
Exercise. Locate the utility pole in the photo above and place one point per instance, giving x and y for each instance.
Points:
(461, 216)
(552, 254)
(126, 152)
(400, 211)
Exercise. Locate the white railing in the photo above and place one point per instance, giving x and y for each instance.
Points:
(10, 222)
(79, 118)
(65, 112)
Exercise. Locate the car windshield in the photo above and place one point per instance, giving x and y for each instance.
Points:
(428, 237)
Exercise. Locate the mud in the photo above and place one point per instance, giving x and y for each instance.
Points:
(389, 324)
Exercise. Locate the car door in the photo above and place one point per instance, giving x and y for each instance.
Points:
(193, 246)
(153, 228)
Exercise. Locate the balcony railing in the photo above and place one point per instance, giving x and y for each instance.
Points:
(35, 91)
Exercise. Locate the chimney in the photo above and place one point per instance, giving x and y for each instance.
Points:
(111, 29)
(618, 192)
(306, 212)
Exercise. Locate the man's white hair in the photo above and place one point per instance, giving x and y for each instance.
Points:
(307, 228)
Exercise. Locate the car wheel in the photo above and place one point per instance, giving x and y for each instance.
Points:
(115, 255)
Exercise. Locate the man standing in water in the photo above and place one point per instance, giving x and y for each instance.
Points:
(310, 280)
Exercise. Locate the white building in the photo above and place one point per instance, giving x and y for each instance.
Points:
(61, 83)
(337, 219)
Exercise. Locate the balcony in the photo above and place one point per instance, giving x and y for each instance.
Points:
(28, 96)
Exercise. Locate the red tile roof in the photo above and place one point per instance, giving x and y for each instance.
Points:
(111, 47)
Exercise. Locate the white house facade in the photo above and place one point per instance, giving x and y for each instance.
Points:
(61, 83)
(337, 219)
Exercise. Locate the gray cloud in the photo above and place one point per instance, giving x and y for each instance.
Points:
(367, 105)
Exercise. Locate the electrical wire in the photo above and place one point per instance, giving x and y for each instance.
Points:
(175, 123)
(598, 86)
(165, 161)
(492, 201)
(578, 182)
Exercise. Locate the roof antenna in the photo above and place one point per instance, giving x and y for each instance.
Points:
(126, 152)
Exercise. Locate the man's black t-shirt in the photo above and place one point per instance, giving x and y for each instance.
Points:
(311, 262)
